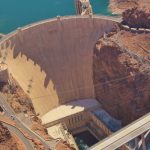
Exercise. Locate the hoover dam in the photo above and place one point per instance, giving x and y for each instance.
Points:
(55, 57)
(55, 62)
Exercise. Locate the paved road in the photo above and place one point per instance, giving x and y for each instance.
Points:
(14, 130)
(112, 18)
(9, 112)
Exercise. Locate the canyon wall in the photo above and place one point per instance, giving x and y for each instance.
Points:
(121, 74)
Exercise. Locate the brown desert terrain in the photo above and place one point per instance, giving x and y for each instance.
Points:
(122, 74)
(9, 141)
(119, 6)
(137, 17)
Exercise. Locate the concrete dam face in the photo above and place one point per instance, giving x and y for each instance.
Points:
(52, 60)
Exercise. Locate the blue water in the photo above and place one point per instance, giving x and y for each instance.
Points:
(101, 7)
(17, 13)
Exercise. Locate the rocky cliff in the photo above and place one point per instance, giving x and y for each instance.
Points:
(137, 17)
(119, 6)
(121, 72)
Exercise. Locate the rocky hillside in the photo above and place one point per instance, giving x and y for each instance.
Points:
(4, 133)
(19, 101)
(137, 17)
(122, 74)
(8, 141)
(119, 6)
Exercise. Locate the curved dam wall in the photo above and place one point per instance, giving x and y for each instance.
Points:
(52, 60)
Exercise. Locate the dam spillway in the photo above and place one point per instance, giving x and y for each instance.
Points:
(56, 55)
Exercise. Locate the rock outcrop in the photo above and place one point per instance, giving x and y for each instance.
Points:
(17, 98)
(122, 74)
(119, 6)
(62, 145)
(137, 18)
(9, 141)
(4, 133)
(41, 130)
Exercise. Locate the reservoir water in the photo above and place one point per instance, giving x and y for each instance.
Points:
(17, 13)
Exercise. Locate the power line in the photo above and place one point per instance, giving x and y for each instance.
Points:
(116, 104)
(86, 87)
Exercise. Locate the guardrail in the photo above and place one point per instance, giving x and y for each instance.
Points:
(135, 30)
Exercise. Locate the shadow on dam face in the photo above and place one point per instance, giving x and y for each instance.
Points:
(52, 60)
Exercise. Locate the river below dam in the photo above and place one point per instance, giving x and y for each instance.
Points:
(18, 13)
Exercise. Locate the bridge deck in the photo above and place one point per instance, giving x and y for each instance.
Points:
(124, 135)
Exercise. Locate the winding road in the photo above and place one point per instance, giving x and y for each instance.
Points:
(26, 142)
(9, 113)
